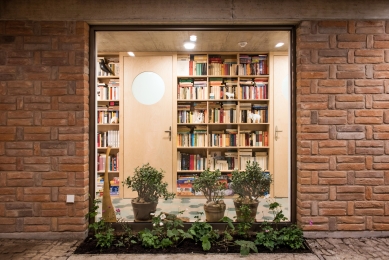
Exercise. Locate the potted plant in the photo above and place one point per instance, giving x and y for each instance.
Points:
(250, 184)
(147, 182)
(209, 184)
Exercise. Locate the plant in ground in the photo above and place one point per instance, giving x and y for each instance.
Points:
(103, 231)
(204, 233)
(245, 246)
(291, 236)
(127, 237)
(166, 232)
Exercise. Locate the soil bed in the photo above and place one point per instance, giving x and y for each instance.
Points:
(88, 246)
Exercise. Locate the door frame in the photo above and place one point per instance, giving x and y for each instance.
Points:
(92, 88)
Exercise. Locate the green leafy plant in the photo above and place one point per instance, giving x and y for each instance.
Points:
(127, 237)
(276, 210)
(204, 233)
(268, 237)
(246, 221)
(251, 183)
(103, 231)
(208, 182)
(148, 183)
(245, 246)
(166, 232)
(292, 236)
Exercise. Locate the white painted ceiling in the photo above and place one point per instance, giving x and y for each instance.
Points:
(207, 41)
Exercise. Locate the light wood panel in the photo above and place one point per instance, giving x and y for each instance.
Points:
(144, 126)
(281, 122)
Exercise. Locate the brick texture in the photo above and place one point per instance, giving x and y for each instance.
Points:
(44, 66)
(342, 122)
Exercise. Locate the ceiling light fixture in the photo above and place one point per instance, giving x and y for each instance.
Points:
(279, 44)
(242, 44)
(189, 45)
(193, 38)
(131, 54)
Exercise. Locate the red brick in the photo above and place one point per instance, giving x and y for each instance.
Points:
(351, 220)
(350, 227)
(332, 212)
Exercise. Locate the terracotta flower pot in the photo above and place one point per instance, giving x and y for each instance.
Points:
(214, 212)
(142, 210)
(252, 205)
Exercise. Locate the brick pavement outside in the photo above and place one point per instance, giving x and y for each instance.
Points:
(323, 248)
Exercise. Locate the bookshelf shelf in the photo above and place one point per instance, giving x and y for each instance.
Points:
(226, 106)
(108, 125)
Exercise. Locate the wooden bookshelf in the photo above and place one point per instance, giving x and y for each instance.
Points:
(107, 115)
(216, 110)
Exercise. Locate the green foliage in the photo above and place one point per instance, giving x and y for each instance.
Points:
(208, 182)
(246, 221)
(268, 237)
(147, 182)
(166, 232)
(204, 233)
(245, 246)
(292, 236)
(127, 237)
(251, 183)
(93, 209)
(104, 233)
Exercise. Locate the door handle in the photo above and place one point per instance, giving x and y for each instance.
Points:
(170, 133)
(276, 133)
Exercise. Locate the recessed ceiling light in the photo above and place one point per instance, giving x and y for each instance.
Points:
(193, 38)
(131, 54)
(242, 44)
(279, 44)
(189, 45)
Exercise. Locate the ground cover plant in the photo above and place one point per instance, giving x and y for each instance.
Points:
(167, 233)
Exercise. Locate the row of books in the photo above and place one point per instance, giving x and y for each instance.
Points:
(108, 92)
(187, 116)
(193, 162)
(196, 64)
(185, 185)
(113, 160)
(253, 138)
(224, 138)
(191, 137)
(113, 189)
(192, 89)
(105, 116)
(108, 138)
(222, 115)
(257, 89)
(261, 158)
(253, 113)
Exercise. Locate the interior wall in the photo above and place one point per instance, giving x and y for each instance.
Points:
(342, 125)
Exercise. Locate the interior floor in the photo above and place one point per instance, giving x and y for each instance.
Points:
(192, 207)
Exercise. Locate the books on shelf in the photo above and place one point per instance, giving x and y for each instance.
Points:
(189, 88)
(261, 158)
(191, 137)
(108, 138)
(255, 138)
(108, 91)
(113, 160)
(190, 162)
(253, 64)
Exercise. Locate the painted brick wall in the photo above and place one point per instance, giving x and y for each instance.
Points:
(343, 125)
(44, 117)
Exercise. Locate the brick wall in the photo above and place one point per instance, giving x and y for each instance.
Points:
(43, 126)
(343, 125)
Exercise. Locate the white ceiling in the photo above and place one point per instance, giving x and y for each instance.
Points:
(207, 41)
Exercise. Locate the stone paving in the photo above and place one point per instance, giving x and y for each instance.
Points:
(323, 248)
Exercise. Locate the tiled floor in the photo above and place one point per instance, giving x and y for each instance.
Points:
(192, 207)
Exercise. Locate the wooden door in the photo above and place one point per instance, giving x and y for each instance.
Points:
(281, 117)
(145, 125)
